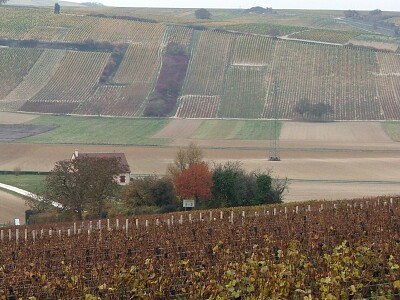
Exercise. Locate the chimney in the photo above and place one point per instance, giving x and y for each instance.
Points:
(76, 153)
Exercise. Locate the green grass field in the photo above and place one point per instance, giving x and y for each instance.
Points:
(31, 183)
(393, 130)
(103, 131)
(236, 130)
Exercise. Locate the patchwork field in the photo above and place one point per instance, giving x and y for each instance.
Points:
(323, 160)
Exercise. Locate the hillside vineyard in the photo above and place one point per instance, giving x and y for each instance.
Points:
(328, 250)
(229, 75)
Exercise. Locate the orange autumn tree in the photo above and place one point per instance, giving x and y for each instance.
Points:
(195, 182)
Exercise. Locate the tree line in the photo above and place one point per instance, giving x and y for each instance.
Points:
(86, 188)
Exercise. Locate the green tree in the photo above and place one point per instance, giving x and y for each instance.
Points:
(202, 13)
(150, 191)
(229, 185)
(303, 107)
(57, 8)
(319, 110)
(82, 184)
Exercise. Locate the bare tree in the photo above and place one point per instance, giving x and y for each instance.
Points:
(82, 184)
(185, 158)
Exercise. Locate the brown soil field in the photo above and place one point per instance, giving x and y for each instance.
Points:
(11, 207)
(15, 118)
(325, 160)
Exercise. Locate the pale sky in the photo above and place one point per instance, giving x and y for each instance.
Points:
(390, 5)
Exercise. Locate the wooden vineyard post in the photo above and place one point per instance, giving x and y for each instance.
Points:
(117, 223)
(137, 223)
(74, 228)
(26, 234)
(221, 215)
(17, 235)
(108, 225)
(1, 235)
(126, 225)
(9, 235)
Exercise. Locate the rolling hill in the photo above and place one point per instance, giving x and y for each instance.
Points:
(103, 61)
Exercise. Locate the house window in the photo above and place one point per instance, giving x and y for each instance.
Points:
(122, 179)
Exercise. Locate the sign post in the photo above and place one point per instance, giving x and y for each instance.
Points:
(188, 203)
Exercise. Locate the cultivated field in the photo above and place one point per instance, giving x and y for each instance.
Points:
(324, 160)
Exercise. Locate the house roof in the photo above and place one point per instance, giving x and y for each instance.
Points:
(119, 156)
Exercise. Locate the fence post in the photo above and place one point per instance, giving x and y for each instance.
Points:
(74, 228)
(26, 234)
(221, 214)
(9, 234)
(17, 235)
(232, 216)
(172, 220)
(126, 225)
(2, 235)
(108, 224)
(137, 223)
(117, 223)
(34, 235)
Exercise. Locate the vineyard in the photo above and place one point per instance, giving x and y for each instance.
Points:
(230, 74)
(207, 68)
(71, 84)
(14, 65)
(325, 250)
(328, 36)
(36, 79)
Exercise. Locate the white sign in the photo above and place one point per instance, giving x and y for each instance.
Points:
(188, 203)
(16, 222)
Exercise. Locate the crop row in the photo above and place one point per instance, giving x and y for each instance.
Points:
(197, 106)
(14, 65)
(73, 81)
(208, 64)
(36, 79)
(43, 24)
(244, 92)
(114, 100)
(330, 250)
(179, 35)
(328, 36)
